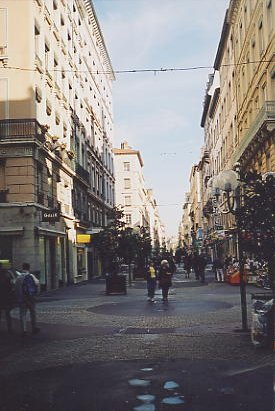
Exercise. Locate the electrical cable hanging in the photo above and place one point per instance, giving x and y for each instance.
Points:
(145, 70)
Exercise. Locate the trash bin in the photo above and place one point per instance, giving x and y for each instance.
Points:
(116, 284)
(262, 320)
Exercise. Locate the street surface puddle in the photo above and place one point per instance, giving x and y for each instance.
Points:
(139, 383)
(173, 401)
(147, 398)
(170, 385)
(145, 407)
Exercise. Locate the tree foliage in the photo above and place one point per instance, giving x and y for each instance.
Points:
(256, 216)
(117, 243)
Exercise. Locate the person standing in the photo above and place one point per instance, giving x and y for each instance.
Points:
(187, 265)
(217, 267)
(195, 264)
(165, 279)
(27, 288)
(6, 296)
(202, 262)
(151, 281)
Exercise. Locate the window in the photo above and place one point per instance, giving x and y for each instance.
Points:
(126, 166)
(3, 32)
(127, 183)
(128, 200)
(261, 37)
(128, 219)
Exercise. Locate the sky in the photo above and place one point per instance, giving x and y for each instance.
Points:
(159, 113)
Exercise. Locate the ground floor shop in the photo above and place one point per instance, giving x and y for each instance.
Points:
(51, 248)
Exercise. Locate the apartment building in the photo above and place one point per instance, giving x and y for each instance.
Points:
(131, 193)
(238, 115)
(137, 202)
(56, 130)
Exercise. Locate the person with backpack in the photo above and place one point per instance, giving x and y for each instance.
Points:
(6, 296)
(27, 288)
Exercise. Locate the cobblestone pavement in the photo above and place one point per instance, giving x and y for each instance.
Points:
(80, 325)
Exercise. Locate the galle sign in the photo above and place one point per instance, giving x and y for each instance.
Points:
(51, 215)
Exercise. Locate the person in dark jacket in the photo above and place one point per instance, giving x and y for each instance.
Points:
(165, 279)
(6, 296)
(199, 262)
(187, 265)
(217, 267)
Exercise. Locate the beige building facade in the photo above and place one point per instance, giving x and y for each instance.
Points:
(239, 107)
(137, 202)
(56, 130)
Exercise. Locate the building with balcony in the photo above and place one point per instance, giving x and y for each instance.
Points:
(238, 115)
(56, 131)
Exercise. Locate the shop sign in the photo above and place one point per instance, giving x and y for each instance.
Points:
(83, 238)
(51, 215)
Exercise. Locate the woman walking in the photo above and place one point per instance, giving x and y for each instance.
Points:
(165, 279)
(151, 281)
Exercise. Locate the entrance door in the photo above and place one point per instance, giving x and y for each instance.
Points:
(52, 262)
(90, 264)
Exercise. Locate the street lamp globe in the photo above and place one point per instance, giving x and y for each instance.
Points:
(212, 188)
(227, 180)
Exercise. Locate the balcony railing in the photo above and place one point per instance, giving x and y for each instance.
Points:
(84, 174)
(266, 114)
(21, 129)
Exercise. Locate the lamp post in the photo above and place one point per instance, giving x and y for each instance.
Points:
(229, 182)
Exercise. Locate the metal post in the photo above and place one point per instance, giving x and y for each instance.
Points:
(241, 265)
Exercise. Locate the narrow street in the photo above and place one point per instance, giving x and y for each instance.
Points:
(120, 352)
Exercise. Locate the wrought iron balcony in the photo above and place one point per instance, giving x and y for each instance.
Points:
(84, 174)
(22, 129)
(265, 116)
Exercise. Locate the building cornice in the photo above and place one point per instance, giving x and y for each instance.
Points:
(127, 151)
(99, 37)
(224, 35)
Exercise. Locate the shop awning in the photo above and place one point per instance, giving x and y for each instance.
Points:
(42, 231)
(11, 230)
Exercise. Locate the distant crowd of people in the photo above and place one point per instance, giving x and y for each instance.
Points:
(20, 290)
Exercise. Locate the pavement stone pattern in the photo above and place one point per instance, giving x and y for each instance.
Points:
(80, 324)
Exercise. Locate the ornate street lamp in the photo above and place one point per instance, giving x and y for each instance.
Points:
(229, 183)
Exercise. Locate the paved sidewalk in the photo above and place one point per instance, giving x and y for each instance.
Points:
(87, 336)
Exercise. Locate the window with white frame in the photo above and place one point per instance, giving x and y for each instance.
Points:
(127, 183)
(126, 166)
(128, 200)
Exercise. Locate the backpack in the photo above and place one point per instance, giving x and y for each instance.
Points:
(29, 286)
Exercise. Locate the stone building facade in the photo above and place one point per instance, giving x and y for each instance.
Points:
(56, 128)
(239, 106)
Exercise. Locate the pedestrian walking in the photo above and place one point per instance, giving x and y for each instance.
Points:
(6, 296)
(199, 262)
(187, 265)
(195, 265)
(218, 268)
(27, 288)
(151, 281)
(165, 279)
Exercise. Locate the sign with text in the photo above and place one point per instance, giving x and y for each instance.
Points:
(51, 216)
(83, 238)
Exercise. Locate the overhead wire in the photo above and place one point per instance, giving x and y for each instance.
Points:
(142, 70)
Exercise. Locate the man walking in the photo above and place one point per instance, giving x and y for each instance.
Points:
(27, 287)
